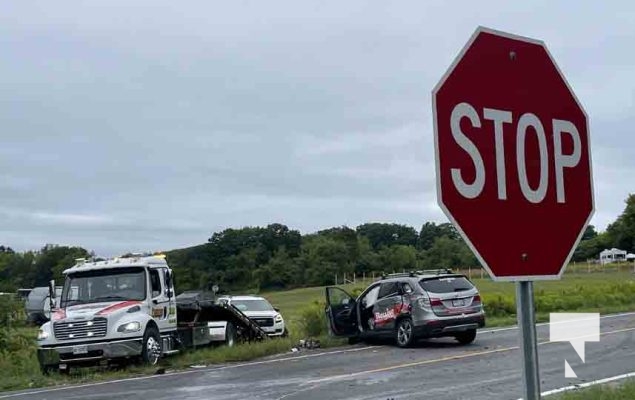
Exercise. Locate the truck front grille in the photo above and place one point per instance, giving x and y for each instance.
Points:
(263, 321)
(80, 329)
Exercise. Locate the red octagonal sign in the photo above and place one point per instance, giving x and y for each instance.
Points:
(512, 156)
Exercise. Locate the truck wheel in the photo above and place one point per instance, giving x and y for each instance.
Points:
(151, 348)
(404, 333)
(466, 337)
(46, 369)
(230, 335)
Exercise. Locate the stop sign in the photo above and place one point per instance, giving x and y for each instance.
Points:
(512, 156)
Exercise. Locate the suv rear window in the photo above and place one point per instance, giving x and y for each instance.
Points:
(447, 284)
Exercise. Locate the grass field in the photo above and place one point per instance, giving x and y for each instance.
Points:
(303, 309)
(625, 391)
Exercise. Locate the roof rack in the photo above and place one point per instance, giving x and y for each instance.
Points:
(435, 271)
(398, 274)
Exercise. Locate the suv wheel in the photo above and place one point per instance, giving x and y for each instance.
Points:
(466, 337)
(404, 333)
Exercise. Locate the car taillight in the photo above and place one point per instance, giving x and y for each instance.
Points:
(476, 302)
(436, 302)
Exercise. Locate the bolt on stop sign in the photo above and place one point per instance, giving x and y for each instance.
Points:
(512, 156)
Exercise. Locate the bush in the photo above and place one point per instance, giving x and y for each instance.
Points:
(18, 360)
(313, 320)
(499, 306)
(577, 298)
(12, 312)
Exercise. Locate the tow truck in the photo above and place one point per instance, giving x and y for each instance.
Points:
(125, 308)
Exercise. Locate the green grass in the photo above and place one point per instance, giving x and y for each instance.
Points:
(303, 310)
(625, 391)
(576, 292)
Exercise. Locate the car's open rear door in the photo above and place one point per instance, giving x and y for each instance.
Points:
(341, 312)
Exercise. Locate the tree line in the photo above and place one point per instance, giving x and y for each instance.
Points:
(278, 257)
(619, 234)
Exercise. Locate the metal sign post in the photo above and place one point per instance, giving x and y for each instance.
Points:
(528, 343)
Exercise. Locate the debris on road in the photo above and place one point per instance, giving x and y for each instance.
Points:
(306, 344)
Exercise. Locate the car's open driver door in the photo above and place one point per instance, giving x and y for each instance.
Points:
(341, 312)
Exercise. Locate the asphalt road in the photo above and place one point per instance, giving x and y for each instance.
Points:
(490, 368)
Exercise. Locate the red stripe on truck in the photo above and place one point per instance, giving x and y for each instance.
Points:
(118, 306)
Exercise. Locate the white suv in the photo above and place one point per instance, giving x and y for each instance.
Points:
(259, 310)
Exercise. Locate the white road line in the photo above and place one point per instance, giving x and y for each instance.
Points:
(443, 359)
(511, 328)
(587, 384)
(211, 369)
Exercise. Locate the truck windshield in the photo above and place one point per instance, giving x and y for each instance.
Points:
(116, 284)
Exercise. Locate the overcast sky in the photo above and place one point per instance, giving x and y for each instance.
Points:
(148, 125)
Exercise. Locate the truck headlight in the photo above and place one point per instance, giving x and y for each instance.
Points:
(129, 327)
(278, 318)
(42, 335)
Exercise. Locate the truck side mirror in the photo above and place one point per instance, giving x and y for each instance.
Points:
(168, 284)
(52, 294)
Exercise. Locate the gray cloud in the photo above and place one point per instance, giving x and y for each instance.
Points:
(149, 126)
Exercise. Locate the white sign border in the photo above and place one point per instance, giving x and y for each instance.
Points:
(446, 75)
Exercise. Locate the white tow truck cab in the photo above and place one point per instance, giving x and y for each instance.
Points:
(126, 308)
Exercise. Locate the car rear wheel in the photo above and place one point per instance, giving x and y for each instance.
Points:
(404, 333)
(466, 337)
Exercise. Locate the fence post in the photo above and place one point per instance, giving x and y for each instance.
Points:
(469, 273)
(481, 273)
(588, 267)
(335, 279)
(373, 276)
